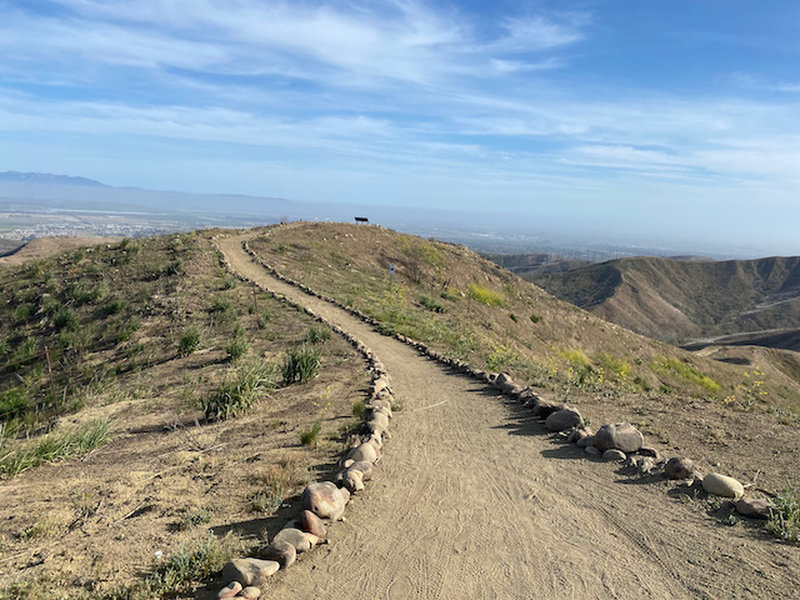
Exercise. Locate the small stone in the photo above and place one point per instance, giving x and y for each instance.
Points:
(311, 523)
(251, 593)
(755, 508)
(563, 419)
(614, 454)
(622, 436)
(230, 590)
(592, 450)
(504, 383)
(248, 571)
(281, 552)
(722, 485)
(679, 467)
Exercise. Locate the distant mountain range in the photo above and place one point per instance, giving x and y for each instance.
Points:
(47, 178)
(679, 301)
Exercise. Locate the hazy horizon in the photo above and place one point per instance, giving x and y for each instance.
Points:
(673, 125)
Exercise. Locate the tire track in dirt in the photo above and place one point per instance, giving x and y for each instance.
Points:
(472, 501)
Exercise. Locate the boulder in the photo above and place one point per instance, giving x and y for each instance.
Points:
(325, 500)
(622, 436)
(281, 552)
(311, 523)
(353, 480)
(366, 451)
(585, 441)
(722, 485)
(563, 419)
(614, 454)
(504, 383)
(251, 593)
(755, 508)
(679, 467)
(366, 468)
(295, 537)
(250, 571)
(379, 418)
(544, 408)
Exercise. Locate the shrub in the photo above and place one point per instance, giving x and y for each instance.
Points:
(536, 318)
(229, 283)
(130, 327)
(239, 390)
(65, 319)
(113, 306)
(54, 447)
(301, 364)
(310, 436)
(318, 334)
(358, 409)
(449, 295)
(24, 312)
(485, 295)
(237, 348)
(784, 521)
(189, 341)
(431, 304)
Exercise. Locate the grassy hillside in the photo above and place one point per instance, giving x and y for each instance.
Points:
(678, 300)
(470, 308)
(125, 449)
(536, 264)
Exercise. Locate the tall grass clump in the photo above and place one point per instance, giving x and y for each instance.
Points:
(236, 348)
(784, 521)
(309, 437)
(241, 388)
(485, 295)
(188, 564)
(301, 364)
(189, 342)
(318, 334)
(53, 447)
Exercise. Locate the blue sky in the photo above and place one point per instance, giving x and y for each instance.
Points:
(658, 120)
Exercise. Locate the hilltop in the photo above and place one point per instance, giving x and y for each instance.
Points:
(678, 300)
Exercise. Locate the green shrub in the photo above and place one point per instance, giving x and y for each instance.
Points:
(127, 330)
(25, 352)
(485, 295)
(239, 390)
(219, 304)
(318, 334)
(784, 521)
(237, 348)
(358, 409)
(24, 312)
(113, 306)
(310, 436)
(190, 341)
(536, 318)
(229, 283)
(65, 319)
(53, 447)
(449, 295)
(301, 364)
(513, 317)
(14, 403)
(431, 304)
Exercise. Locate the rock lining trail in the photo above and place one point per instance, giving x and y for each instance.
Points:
(473, 500)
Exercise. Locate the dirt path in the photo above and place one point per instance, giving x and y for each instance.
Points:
(472, 500)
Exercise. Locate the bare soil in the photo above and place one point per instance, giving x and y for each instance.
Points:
(472, 500)
(45, 247)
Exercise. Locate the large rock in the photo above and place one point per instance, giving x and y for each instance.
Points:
(612, 454)
(325, 500)
(366, 451)
(755, 508)
(679, 467)
(295, 537)
(563, 419)
(622, 436)
(504, 383)
(544, 408)
(583, 442)
(722, 485)
(281, 552)
(311, 523)
(250, 571)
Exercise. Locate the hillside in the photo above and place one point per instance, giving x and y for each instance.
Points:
(536, 264)
(677, 301)
(119, 453)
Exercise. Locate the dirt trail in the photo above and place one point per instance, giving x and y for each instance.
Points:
(473, 501)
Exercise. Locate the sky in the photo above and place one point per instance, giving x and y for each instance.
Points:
(639, 119)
